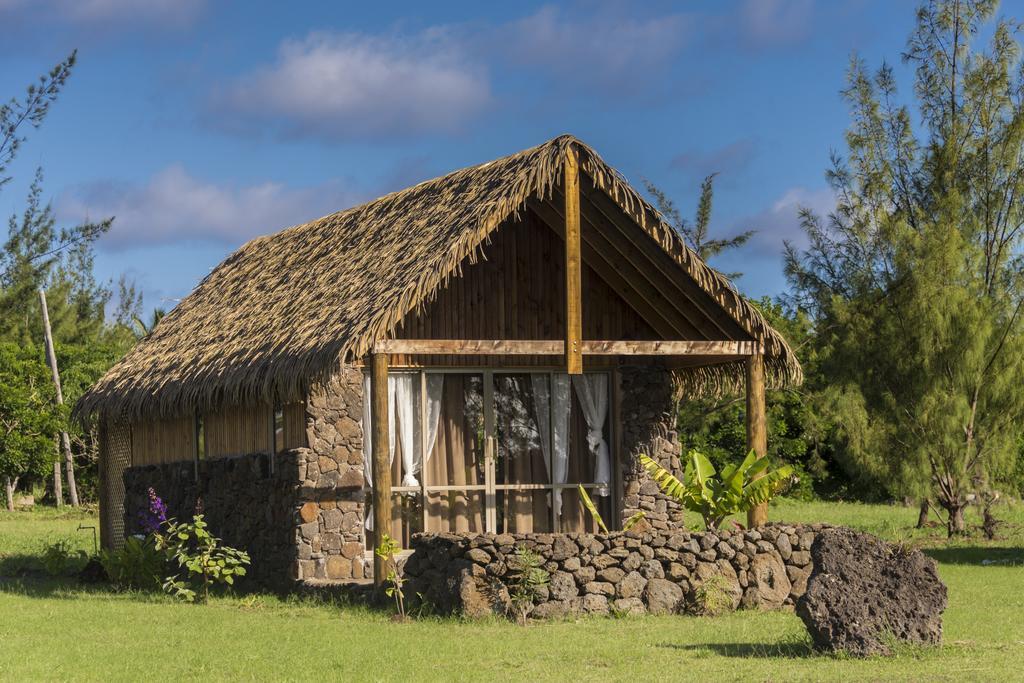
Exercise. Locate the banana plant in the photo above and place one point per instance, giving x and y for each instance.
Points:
(599, 521)
(715, 496)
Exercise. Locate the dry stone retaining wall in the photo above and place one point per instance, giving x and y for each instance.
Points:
(657, 571)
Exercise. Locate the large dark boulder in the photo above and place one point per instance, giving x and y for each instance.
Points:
(864, 594)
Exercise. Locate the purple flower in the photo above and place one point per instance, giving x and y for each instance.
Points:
(152, 518)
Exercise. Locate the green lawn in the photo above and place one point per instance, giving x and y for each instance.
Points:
(55, 629)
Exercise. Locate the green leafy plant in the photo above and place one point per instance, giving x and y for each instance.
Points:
(61, 557)
(526, 576)
(599, 521)
(716, 496)
(138, 563)
(206, 562)
(386, 550)
(711, 597)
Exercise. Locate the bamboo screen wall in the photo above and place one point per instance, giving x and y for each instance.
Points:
(115, 442)
(518, 292)
(233, 431)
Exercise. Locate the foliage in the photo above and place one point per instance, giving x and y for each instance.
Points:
(62, 557)
(526, 576)
(711, 597)
(206, 562)
(599, 521)
(28, 420)
(738, 489)
(139, 563)
(915, 282)
(696, 235)
(386, 550)
(152, 519)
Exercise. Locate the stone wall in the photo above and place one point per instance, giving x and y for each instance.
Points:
(658, 571)
(330, 532)
(648, 426)
(245, 504)
(302, 521)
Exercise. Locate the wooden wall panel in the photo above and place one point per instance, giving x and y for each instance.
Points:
(295, 425)
(517, 292)
(238, 430)
(160, 441)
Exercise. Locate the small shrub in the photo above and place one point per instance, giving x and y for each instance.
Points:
(386, 550)
(711, 597)
(526, 576)
(206, 562)
(139, 563)
(60, 558)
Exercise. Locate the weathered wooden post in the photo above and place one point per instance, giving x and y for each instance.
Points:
(381, 461)
(573, 265)
(757, 428)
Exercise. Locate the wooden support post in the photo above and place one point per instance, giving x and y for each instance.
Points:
(381, 461)
(757, 428)
(573, 266)
(65, 442)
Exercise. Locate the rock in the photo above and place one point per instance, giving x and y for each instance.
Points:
(662, 597)
(632, 562)
(864, 592)
(352, 549)
(595, 604)
(600, 588)
(768, 575)
(571, 564)
(798, 578)
(629, 606)
(800, 558)
(611, 574)
(562, 586)
(652, 569)
(678, 571)
(585, 575)
(562, 548)
(631, 586)
(551, 609)
(716, 588)
(478, 555)
(784, 546)
(339, 567)
(309, 511)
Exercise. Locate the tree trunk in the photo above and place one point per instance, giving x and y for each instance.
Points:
(922, 515)
(58, 488)
(9, 488)
(956, 524)
(51, 358)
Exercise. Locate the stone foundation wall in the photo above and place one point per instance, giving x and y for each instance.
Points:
(648, 427)
(245, 504)
(658, 571)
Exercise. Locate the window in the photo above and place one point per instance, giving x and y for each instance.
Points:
(200, 442)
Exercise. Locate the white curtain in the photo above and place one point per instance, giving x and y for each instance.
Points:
(403, 403)
(592, 392)
(553, 412)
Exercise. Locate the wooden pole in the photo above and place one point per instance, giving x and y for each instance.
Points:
(573, 265)
(381, 460)
(757, 428)
(65, 442)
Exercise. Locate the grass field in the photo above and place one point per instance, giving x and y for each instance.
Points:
(58, 630)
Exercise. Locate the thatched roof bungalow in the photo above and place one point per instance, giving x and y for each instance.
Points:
(520, 327)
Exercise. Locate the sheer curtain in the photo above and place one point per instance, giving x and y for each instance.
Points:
(592, 392)
(552, 407)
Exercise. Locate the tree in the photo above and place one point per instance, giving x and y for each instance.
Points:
(915, 280)
(28, 418)
(697, 235)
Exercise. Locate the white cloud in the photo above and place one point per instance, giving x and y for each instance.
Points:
(175, 207)
(353, 86)
(773, 23)
(596, 46)
(780, 222)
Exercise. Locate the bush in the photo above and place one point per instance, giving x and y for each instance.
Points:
(206, 562)
(139, 563)
(61, 558)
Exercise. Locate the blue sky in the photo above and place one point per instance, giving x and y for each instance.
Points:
(201, 124)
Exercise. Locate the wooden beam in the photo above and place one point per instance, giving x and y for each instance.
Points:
(555, 347)
(757, 428)
(573, 266)
(381, 465)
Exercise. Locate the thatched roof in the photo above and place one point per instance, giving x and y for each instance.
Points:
(287, 308)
